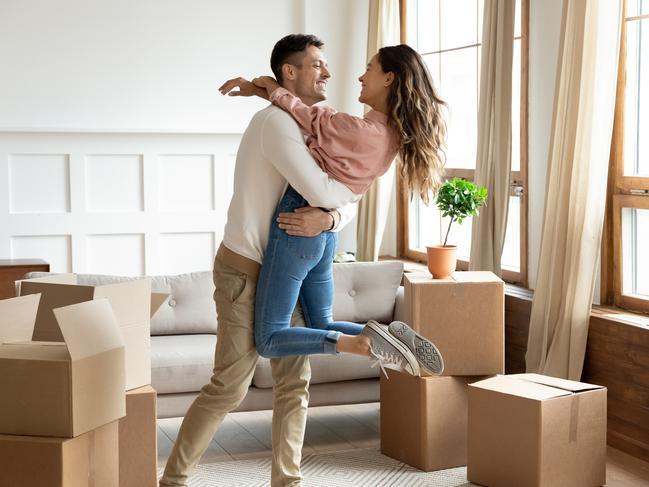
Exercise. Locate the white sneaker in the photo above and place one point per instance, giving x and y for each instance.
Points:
(389, 351)
(427, 354)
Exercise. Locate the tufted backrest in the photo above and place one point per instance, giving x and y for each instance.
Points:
(363, 291)
(366, 290)
(189, 308)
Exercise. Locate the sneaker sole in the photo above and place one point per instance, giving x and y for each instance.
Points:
(396, 343)
(427, 354)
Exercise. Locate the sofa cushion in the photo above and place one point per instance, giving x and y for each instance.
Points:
(366, 290)
(189, 309)
(324, 368)
(181, 363)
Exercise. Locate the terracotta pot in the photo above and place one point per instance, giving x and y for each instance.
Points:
(441, 260)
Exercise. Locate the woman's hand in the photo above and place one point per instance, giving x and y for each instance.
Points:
(267, 83)
(245, 88)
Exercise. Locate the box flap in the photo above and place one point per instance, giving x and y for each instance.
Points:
(455, 278)
(89, 328)
(130, 300)
(475, 276)
(50, 351)
(17, 318)
(522, 388)
(54, 278)
(566, 385)
(157, 300)
(54, 295)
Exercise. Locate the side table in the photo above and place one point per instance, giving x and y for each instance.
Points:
(15, 269)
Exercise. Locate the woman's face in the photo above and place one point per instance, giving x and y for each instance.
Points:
(375, 84)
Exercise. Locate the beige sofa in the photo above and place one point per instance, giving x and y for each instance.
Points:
(183, 338)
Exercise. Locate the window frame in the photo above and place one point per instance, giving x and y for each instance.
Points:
(622, 192)
(518, 178)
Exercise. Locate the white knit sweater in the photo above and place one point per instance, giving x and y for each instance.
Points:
(271, 156)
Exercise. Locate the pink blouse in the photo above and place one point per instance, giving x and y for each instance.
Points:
(352, 150)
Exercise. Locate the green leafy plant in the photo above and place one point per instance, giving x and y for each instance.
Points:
(459, 199)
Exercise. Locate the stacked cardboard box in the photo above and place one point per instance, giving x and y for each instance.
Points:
(424, 419)
(524, 430)
(138, 448)
(60, 401)
(131, 305)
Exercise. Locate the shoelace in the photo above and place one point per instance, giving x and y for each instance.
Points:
(387, 357)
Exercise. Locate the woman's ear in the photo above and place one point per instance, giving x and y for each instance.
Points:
(288, 72)
(389, 78)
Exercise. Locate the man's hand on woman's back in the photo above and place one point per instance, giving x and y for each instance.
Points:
(306, 222)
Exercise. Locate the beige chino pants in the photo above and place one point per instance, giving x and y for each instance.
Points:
(235, 280)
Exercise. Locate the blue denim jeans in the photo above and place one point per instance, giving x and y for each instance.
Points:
(297, 268)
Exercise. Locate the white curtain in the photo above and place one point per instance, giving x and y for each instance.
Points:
(383, 30)
(575, 187)
(493, 161)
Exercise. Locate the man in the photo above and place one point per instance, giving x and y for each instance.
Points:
(272, 155)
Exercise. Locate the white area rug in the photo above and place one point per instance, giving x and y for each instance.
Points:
(339, 469)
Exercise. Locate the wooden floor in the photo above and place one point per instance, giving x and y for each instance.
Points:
(334, 428)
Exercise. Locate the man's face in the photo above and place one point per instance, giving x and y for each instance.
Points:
(310, 78)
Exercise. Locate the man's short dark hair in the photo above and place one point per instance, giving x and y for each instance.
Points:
(289, 50)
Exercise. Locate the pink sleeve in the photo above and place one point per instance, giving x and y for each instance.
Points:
(318, 121)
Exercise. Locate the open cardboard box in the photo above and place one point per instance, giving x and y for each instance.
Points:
(133, 304)
(61, 389)
(530, 430)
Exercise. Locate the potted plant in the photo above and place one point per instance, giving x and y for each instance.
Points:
(457, 199)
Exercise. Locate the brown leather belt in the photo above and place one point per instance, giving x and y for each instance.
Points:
(237, 261)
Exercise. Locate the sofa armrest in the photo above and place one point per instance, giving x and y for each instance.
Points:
(400, 306)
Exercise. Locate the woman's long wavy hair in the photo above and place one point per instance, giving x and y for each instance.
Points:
(416, 114)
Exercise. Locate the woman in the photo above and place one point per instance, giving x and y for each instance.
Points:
(405, 121)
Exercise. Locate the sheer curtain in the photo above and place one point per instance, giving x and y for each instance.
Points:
(384, 30)
(494, 155)
(575, 187)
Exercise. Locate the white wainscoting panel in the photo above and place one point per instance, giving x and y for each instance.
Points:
(186, 182)
(39, 183)
(115, 254)
(108, 203)
(55, 249)
(186, 252)
(114, 183)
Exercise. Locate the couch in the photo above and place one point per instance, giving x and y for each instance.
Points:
(183, 337)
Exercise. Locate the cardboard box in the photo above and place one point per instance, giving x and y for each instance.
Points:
(138, 448)
(133, 305)
(424, 420)
(60, 389)
(529, 430)
(89, 460)
(464, 316)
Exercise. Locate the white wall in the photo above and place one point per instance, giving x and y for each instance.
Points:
(152, 67)
(116, 150)
(127, 204)
(146, 65)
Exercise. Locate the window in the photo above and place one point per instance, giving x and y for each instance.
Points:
(448, 34)
(628, 199)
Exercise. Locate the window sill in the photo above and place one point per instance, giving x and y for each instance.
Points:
(609, 313)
